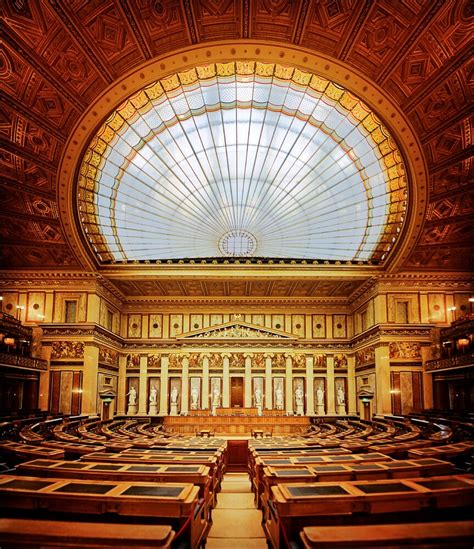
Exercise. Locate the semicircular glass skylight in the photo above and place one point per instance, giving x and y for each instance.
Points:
(242, 159)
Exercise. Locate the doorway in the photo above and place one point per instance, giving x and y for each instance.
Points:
(237, 392)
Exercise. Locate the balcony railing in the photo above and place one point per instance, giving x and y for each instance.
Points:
(23, 361)
(451, 362)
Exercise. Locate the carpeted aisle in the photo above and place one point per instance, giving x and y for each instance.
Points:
(236, 521)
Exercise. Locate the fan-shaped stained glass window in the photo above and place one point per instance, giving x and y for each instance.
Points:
(242, 159)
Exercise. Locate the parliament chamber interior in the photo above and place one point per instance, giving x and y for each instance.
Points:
(236, 294)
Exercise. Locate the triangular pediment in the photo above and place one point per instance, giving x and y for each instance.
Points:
(365, 392)
(237, 329)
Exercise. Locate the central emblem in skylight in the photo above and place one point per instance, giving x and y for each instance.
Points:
(238, 244)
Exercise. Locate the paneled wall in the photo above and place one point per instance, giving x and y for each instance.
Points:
(166, 325)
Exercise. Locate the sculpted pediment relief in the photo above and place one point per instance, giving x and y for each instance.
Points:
(238, 330)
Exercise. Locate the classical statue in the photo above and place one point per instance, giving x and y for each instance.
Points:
(258, 397)
(216, 398)
(132, 396)
(174, 395)
(341, 399)
(153, 395)
(194, 398)
(299, 397)
(279, 398)
(320, 396)
(299, 401)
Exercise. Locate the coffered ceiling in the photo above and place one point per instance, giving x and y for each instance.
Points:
(57, 57)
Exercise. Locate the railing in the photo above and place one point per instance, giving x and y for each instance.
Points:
(23, 361)
(451, 362)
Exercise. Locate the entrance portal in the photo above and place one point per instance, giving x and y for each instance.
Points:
(237, 392)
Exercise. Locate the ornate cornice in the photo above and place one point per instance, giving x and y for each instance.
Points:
(150, 303)
(382, 334)
(92, 331)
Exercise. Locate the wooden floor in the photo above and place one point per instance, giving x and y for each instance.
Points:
(236, 521)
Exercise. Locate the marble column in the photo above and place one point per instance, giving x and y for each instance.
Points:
(427, 379)
(164, 385)
(268, 382)
(225, 380)
(122, 386)
(44, 379)
(205, 382)
(248, 380)
(382, 377)
(142, 386)
(89, 380)
(289, 384)
(185, 384)
(309, 385)
(351, 386)
(330, 385)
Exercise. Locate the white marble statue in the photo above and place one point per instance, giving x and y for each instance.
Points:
(320, 396)
(258, 399)
(216, 400)
(194, 398)
(132, 396)
(153, 410)
(341, 399)
(279, 398)
(174, 402)
(299, 396)
(132, 401)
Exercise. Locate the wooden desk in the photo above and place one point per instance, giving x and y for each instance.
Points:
(215, 464)
(36, 534)
(72, 449)
(457, 534)
(221, 411)
(236, 425)
(448, 451)
(199, 475)
(170, 503)
(295, 506)
(24, 452)
(372, 471)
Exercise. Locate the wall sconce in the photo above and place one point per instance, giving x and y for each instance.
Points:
(10, 341)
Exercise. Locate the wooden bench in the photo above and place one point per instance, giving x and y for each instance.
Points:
(295, 506)
(455, 535)
(36, 534)
(175, 504)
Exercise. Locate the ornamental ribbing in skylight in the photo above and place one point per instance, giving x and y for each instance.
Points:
(242, 159)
